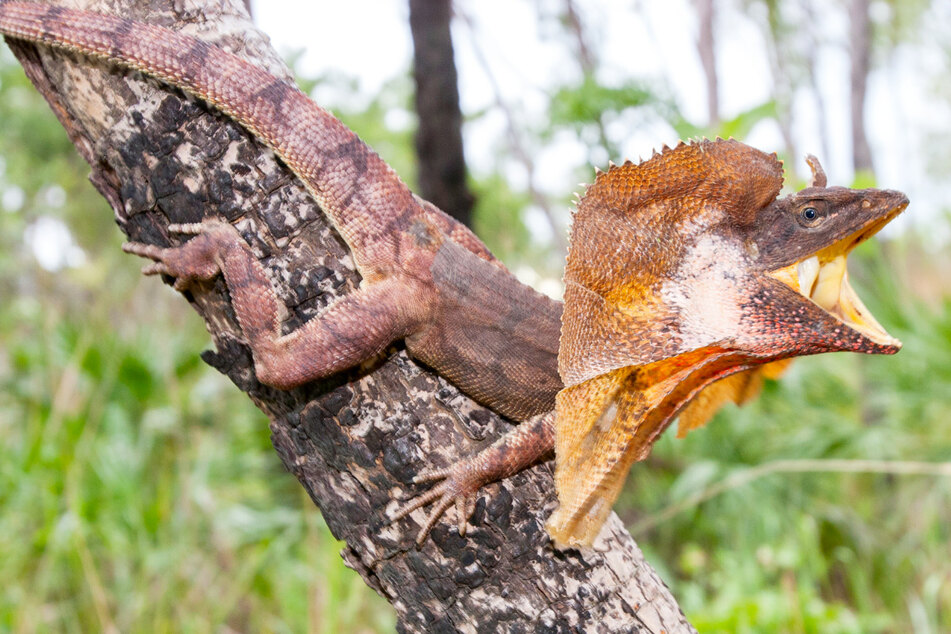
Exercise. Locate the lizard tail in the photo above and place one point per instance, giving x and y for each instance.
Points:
(347, 179)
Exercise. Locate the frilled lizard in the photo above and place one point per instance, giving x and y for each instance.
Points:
(683, 270)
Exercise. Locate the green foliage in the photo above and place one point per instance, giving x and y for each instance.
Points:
(737, 127)
(588, 106)
(493, 221)
(138, 488)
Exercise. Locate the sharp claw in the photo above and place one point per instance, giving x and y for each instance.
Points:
(432, 519)
(463, 519)
(470, 505)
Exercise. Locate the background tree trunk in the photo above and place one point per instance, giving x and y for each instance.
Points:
(354, 440)
(442, 164)
(708, 59)
(860, 52)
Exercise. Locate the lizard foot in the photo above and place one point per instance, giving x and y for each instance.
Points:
(459, 485)
(196, 260)
(529, 443)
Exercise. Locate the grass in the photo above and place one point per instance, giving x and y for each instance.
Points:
(139, 490)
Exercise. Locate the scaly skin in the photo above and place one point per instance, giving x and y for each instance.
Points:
(703, 278)
(682, 289)
(677, 278)
(426, 277)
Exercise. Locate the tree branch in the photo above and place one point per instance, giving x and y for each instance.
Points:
(356, 440)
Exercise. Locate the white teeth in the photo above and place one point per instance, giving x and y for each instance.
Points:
(829, 284)
(807, 270)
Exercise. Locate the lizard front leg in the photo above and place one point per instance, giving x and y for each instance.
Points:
(349, 331)
(529, 443)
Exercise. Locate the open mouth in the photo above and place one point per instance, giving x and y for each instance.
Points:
(824, 279)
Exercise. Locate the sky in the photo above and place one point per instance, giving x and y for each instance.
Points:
(370, 40)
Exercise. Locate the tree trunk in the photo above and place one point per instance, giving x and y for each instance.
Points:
(860, 52)
(442, 164)
(707, 52)
(354, 441)
(784, 89)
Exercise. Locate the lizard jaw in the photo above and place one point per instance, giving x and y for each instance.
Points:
(824, 279)
(827, 285)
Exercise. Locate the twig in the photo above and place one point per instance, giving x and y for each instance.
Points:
(742, 478)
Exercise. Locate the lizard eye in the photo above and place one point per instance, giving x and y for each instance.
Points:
(810, 216)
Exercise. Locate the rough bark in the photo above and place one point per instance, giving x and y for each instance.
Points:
(442, 164)
(356, 440)
(860, 52)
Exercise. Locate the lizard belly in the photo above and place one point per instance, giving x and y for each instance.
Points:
(493, 337)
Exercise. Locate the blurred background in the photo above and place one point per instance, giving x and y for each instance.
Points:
(139, 490)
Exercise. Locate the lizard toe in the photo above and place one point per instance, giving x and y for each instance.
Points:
(432, 474)
(156, 268)
(417, 502)
(434, 516)
(143, 250)
(459, 487)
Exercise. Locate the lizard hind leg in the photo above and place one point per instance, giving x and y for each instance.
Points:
(531, 442)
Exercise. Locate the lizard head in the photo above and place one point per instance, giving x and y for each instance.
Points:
(803, 241)
(683, 270)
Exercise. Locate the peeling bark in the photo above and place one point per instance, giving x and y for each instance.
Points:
(354, 441)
